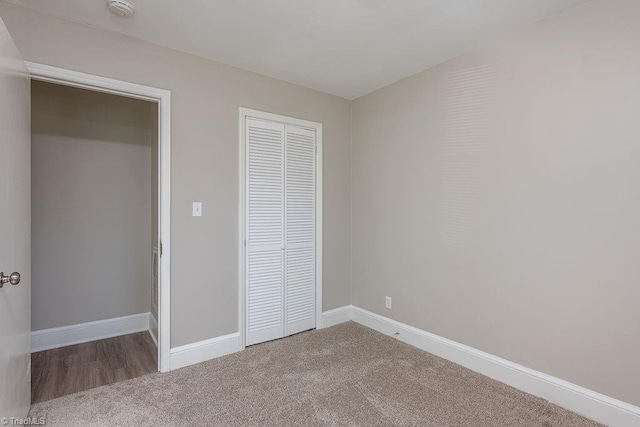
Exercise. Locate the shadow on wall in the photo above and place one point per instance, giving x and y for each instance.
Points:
(116, 116)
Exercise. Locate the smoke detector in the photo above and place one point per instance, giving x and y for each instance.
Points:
(122, 8)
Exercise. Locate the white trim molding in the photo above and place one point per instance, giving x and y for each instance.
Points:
(336, 316)
(153, 328)
(591, 404)
(202, 351)
(47, 339)
(162, 97)
(245, 113)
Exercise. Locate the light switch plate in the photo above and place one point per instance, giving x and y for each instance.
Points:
(197, 208)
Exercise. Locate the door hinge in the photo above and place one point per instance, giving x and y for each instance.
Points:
(161, 248)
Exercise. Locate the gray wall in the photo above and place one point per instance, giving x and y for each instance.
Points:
(91, 205)
(496, 198)
(205, 99)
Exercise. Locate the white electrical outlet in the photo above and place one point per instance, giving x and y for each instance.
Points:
(387, 302)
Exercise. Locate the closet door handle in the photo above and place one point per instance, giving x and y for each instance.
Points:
(13, 278)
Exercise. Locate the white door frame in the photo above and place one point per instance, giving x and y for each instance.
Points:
(163, 98)
(249, 113)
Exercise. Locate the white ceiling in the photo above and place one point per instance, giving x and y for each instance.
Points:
(344, 47)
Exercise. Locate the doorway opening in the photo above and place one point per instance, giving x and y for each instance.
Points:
(100, 227)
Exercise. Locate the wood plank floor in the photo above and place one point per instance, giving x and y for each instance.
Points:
(79, 367)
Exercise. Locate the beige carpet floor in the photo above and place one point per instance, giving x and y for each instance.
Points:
(347, 375)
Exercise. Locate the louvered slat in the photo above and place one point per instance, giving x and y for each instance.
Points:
(300, 184)
(265, 230)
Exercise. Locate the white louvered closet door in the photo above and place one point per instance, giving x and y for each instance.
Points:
(300, 229)
(280, 230)
(264, 230)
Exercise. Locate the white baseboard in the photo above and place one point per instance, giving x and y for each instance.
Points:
(336, 316)
(593, 405)
(197, 352)
(91, 331)
(202, 351)
(153, 328)
(588, 403)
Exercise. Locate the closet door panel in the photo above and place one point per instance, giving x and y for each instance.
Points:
(265, 230)
(300, 291)
(300, 196)
(265, 305)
